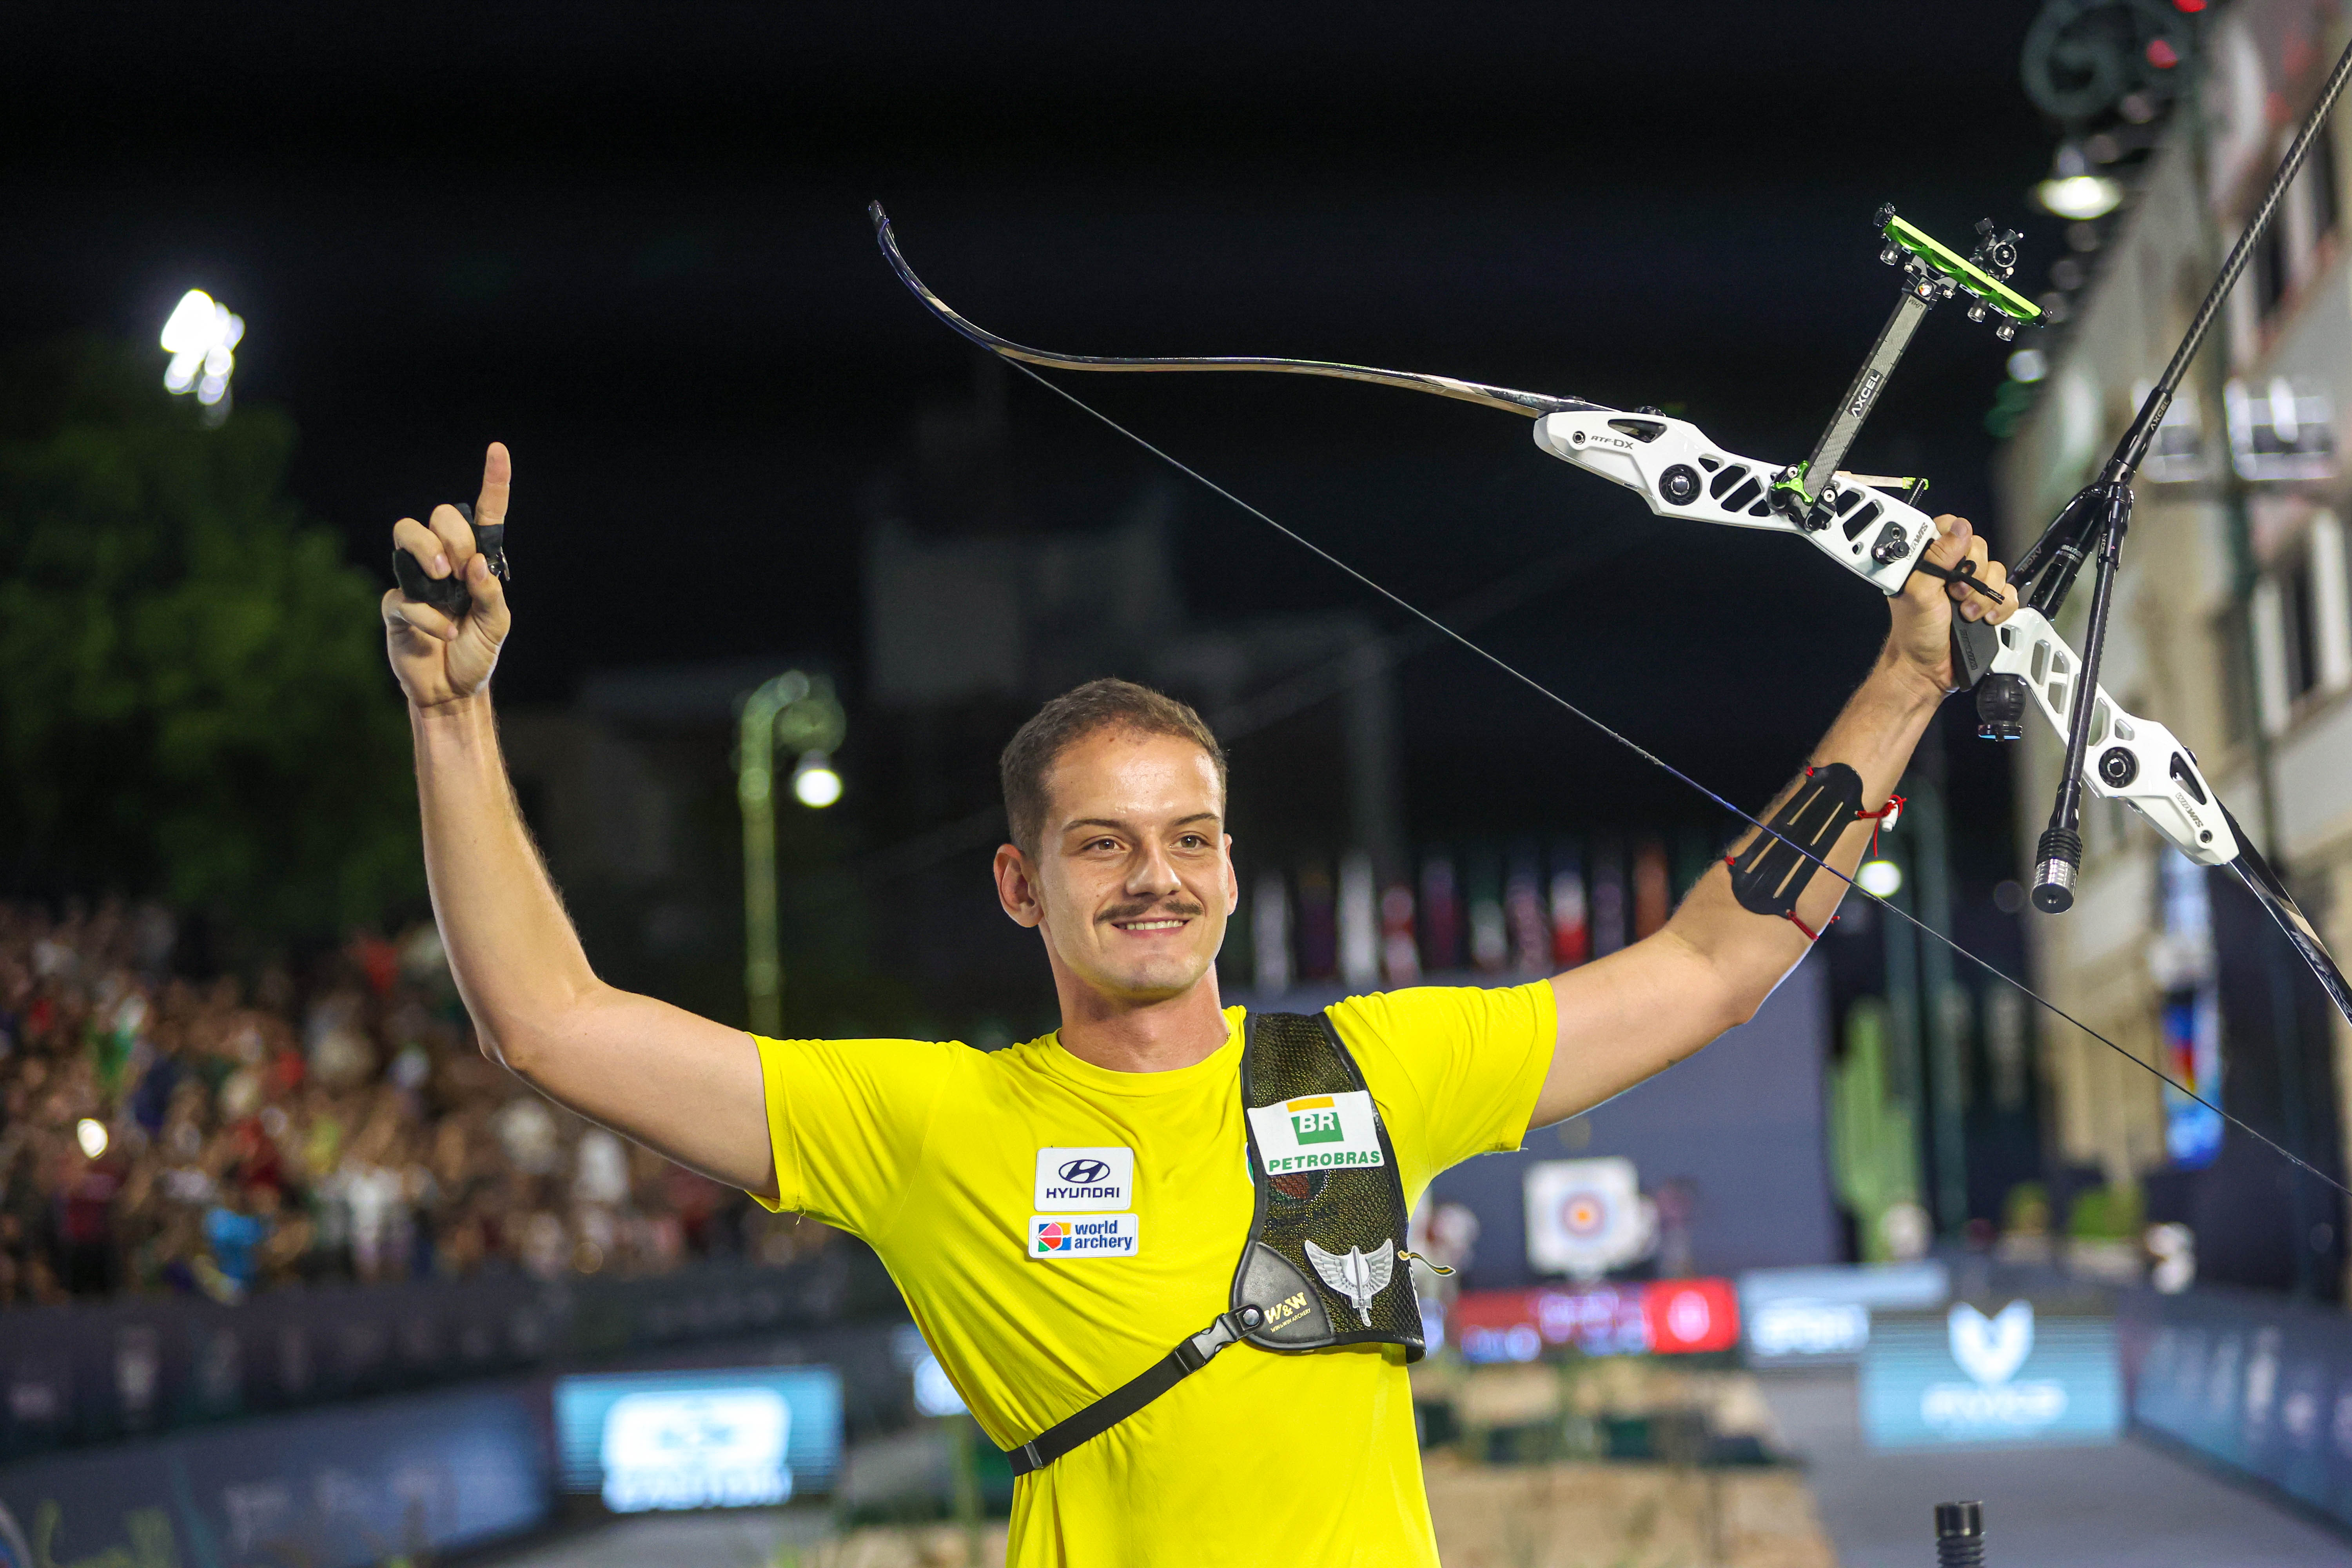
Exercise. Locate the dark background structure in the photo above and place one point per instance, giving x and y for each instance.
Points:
(630, 242)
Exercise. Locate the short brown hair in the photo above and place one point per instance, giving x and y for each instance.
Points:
(1107, 704)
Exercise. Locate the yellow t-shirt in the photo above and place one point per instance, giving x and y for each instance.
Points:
(931, 1152)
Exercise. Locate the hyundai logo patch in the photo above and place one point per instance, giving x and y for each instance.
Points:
(1085, 1180)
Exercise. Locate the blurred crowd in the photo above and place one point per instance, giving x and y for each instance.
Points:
(164, 1133)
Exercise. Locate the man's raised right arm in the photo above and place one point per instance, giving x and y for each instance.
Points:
(681, 1085)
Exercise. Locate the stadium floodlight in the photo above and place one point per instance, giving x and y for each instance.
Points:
(90, 1133)
(814, 783)
(201, 335)
(1880, 878)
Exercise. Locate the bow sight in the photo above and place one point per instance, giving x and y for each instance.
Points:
(1809, 494)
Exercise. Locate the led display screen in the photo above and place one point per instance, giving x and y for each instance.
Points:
(743, 1439)
(2000, 1376)
(1822, 1313)
(1661, 1316)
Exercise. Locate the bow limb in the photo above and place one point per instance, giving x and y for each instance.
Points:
(1527, 405)
(2271, 893)
(2140, 762)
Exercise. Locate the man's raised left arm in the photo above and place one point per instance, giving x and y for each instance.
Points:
(1643, 1008)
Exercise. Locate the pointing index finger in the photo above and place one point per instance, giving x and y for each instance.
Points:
(497, 475)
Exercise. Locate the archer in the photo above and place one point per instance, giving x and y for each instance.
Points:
(1060, 1212)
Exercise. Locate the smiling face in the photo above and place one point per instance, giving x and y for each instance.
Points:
(1132, 878)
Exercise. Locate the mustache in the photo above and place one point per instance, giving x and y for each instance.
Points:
(1176, 910)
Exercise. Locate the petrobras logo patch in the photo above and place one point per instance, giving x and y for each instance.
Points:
(1080, 1181)
(1317, 1133)
(1056, 1236)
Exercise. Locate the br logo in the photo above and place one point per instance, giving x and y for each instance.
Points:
(1052, 1236)
(1083, 1172)
(1316, 1121)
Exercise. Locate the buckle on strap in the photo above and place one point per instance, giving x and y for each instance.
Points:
(1195, 1353)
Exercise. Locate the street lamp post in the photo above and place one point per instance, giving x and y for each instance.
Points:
(793, 712)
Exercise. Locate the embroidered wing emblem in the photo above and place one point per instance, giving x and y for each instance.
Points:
(1355, 1274)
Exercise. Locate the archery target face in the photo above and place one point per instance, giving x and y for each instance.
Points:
(1585, 1217)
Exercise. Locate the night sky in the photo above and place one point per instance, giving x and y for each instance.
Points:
(630, 242)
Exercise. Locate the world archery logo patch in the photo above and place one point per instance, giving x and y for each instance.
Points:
(1317, 1133)
(1074, 1236)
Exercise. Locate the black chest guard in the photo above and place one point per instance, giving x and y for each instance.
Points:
(1324, 1263)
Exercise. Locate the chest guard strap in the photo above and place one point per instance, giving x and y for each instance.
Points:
(1324, 1263)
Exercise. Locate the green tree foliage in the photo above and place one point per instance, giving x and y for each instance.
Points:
(193, 701)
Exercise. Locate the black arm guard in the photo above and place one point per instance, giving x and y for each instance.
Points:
(1769, 875)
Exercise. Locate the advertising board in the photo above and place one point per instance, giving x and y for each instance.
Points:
(747, 1437)
(2006, 1376)
(413, 1477)
(1656, 1316)
(1822, 1314)
(2257, 1382)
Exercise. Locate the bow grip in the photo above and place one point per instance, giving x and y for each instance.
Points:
(449, 594)
(1975, 644)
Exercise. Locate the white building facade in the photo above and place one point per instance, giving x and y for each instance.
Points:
(2232, 623)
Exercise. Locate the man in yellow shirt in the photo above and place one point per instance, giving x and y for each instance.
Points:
(1061, 1213)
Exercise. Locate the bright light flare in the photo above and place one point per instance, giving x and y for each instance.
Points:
(934, 1394)
(2079, 197)
(200, 336)
(2028, 365)
(193, 324)
(90, 1133)
(814, 783)
(1880, 878)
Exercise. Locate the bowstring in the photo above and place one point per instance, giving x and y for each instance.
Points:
(1647, 755)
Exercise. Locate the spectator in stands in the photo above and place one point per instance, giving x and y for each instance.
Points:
(236, 1234)
(339, 1124)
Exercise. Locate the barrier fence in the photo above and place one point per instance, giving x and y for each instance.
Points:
(143, 1365)
(2258, 1383)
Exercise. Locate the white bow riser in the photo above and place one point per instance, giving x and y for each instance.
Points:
(2134, 759)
